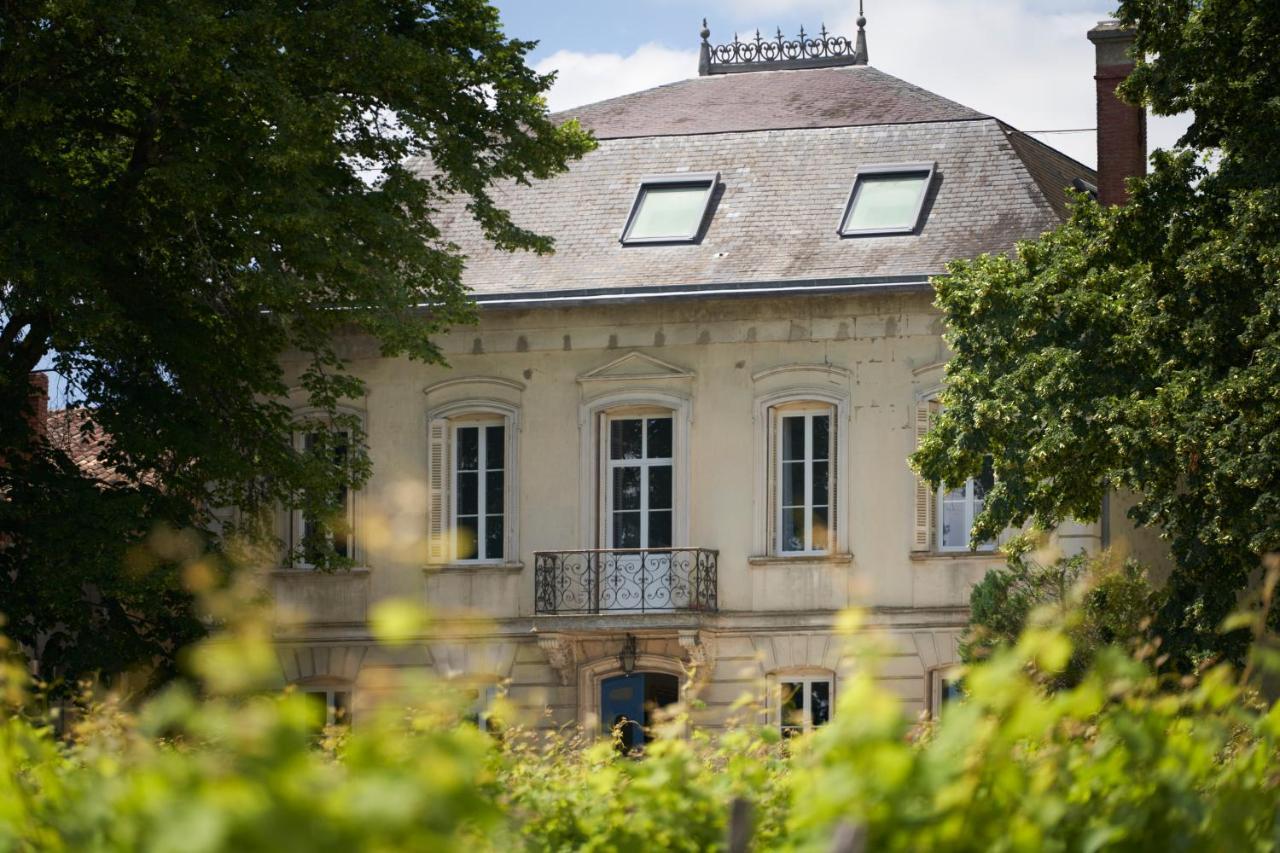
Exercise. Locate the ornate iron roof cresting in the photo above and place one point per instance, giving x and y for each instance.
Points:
(778, 53)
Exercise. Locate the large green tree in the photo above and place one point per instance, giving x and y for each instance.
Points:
(189, 190)
(1139, 347)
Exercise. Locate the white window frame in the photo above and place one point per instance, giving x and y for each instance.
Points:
(644, 463)
(970, 513)
(331, 694)
(481, 423)
(880, 170)
(779, 413)
(796, 386)
(685, 179)
(805, 680)
(594, 449)
(939, 677)
(298, 520)
(442, 550)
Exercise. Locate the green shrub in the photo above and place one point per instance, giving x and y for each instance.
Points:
(1113, 761)
(1098, 601)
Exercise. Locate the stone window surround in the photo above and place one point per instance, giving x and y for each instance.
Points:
(469, 403)
(926, 400)
(591, 417)
(834, 393)
(292, 521)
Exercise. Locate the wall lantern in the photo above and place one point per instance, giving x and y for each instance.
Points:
(627, 657)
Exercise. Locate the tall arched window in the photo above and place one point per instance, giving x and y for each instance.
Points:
(802, 464)
(471, 464)
(944, 516)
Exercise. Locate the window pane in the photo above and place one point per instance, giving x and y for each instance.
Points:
(821, 482)
(820, 539)
(793, 529)
(792, 483)
(319, 713)
(341, 706)
(668, 212)
(885, 201)
(465, 538)
(659, 529)
(954, 532)
(493, 492)
(468, 493)
(626, 530)
(626, 488)
(793, 437)
(820, 702)
(659, 438)
(660, 487)
(493, 537)
(494, 447)
(821, 436)
(792, 704)
(468, 448)
(624, 439)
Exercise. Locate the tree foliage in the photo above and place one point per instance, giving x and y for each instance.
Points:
(1138, 348)
(190, 190)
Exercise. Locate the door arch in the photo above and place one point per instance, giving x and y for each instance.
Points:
(631, 702)
(592, 675)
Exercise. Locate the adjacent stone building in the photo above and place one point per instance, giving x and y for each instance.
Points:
(682, 438)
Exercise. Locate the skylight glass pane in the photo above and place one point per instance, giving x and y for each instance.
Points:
(668, 212)
(886, 202)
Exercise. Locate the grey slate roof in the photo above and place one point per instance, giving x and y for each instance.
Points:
(768, 100)
(781, 194)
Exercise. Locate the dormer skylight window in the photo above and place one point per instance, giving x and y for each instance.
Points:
(669, 209)
(887, 199)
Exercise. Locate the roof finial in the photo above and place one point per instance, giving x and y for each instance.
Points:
(860, 51)
(704, 52)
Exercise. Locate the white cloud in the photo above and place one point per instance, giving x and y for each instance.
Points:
(1024, 61)
(588, 77)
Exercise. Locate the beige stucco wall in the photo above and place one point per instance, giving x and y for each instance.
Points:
(879, 353)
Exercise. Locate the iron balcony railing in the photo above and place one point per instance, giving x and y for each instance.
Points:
(625, 580)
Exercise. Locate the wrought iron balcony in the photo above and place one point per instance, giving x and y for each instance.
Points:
(643, 580)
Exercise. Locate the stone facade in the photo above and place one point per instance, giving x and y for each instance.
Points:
(776, 614)
(770, 318)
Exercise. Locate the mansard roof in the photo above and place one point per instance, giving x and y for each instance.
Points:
(786, 146)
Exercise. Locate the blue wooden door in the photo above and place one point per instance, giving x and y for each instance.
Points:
(622, 698)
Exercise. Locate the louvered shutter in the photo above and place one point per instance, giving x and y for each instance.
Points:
(833, 474)
(438, 533)
(923, 539)
(771, 490)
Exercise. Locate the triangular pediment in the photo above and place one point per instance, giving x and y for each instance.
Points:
(635, 365)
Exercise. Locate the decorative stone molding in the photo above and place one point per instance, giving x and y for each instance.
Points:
(700, 652)
(484, 659)
(307, 663)
(562, 654)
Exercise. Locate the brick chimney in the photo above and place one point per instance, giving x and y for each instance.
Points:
(1122, 128)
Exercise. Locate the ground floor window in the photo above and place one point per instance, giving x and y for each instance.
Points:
(804, 703)
(332, 706)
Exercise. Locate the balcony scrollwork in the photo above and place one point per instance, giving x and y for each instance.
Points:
(648, 580)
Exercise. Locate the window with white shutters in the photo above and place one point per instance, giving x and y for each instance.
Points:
(470, 487)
